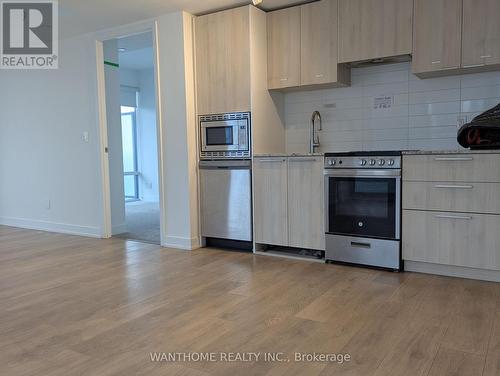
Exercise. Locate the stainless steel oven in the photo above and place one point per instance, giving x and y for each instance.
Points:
(225, 135)
(363, 208)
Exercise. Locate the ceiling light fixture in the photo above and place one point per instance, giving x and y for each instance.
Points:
(122, 49)
(256, 2)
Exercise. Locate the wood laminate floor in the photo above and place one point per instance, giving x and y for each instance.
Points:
(77, 306)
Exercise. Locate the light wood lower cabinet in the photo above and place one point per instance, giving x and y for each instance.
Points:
(451, 206)
(450, 238)
(452, 167)
(270, 200)
(305, 203)
(288, 202)
(452, 196)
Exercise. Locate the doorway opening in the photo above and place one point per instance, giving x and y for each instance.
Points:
(132, 134)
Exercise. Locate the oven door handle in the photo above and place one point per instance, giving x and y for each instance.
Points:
(360, 245)
(352, 173)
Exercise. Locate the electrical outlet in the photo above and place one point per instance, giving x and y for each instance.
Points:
(85, 136)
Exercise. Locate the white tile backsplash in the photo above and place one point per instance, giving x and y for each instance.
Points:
(424, 113)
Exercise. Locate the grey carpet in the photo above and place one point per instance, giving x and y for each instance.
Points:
(143, 221)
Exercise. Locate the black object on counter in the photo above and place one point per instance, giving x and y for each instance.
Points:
(483, 132)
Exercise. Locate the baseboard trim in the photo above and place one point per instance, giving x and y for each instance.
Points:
(187, 244)
(452, 271)
(62, 228)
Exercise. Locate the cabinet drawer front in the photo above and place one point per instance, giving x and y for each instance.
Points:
(452, 167)
(460, 239)
(446, 196)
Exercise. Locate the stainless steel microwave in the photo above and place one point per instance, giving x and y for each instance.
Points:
(225, 135)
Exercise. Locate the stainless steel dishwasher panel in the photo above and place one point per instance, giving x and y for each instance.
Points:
(226, 200)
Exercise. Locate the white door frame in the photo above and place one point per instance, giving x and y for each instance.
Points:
(131, 29)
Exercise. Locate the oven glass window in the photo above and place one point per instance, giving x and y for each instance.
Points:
(362, 206)
(219, 136)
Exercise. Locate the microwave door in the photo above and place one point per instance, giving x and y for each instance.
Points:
(219, 136)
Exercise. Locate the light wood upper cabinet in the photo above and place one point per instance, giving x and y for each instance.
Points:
(436, 36)
(372, 29)
(305, 203)
(223, 61)
(270, 201)
(303, 47)
(319, 45)
(481, 33)
(283, 48)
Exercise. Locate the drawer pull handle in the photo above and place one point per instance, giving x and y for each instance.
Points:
(468, 218)
(484, 56)
(436, 62)
(454, 186)
(270, 160)
(474, 65)
(303, 159)
(360, 245)
(283, 79)
(453, 159)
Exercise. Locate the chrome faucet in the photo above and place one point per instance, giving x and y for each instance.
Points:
(314, 141)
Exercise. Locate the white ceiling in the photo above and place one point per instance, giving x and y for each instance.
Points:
(79, 17)
(138, 52)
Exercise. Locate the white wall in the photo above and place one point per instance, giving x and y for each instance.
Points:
(43, 156)
(129, 77)
(114, 128)
(424, 114)
(177, 106)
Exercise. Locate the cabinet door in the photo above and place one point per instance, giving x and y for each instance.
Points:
(481, 33)
(461, 239)
(436, 36)
(306, 203)
(270, 201)
(283, 48)
(372, 29)
(223, 61)
(319, 44)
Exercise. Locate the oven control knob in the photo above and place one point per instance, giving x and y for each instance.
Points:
(372, 162)
(362, 162)
(331, 162)
(381, 162)
(391, 162)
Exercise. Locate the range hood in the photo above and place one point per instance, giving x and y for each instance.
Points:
(381, 61)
